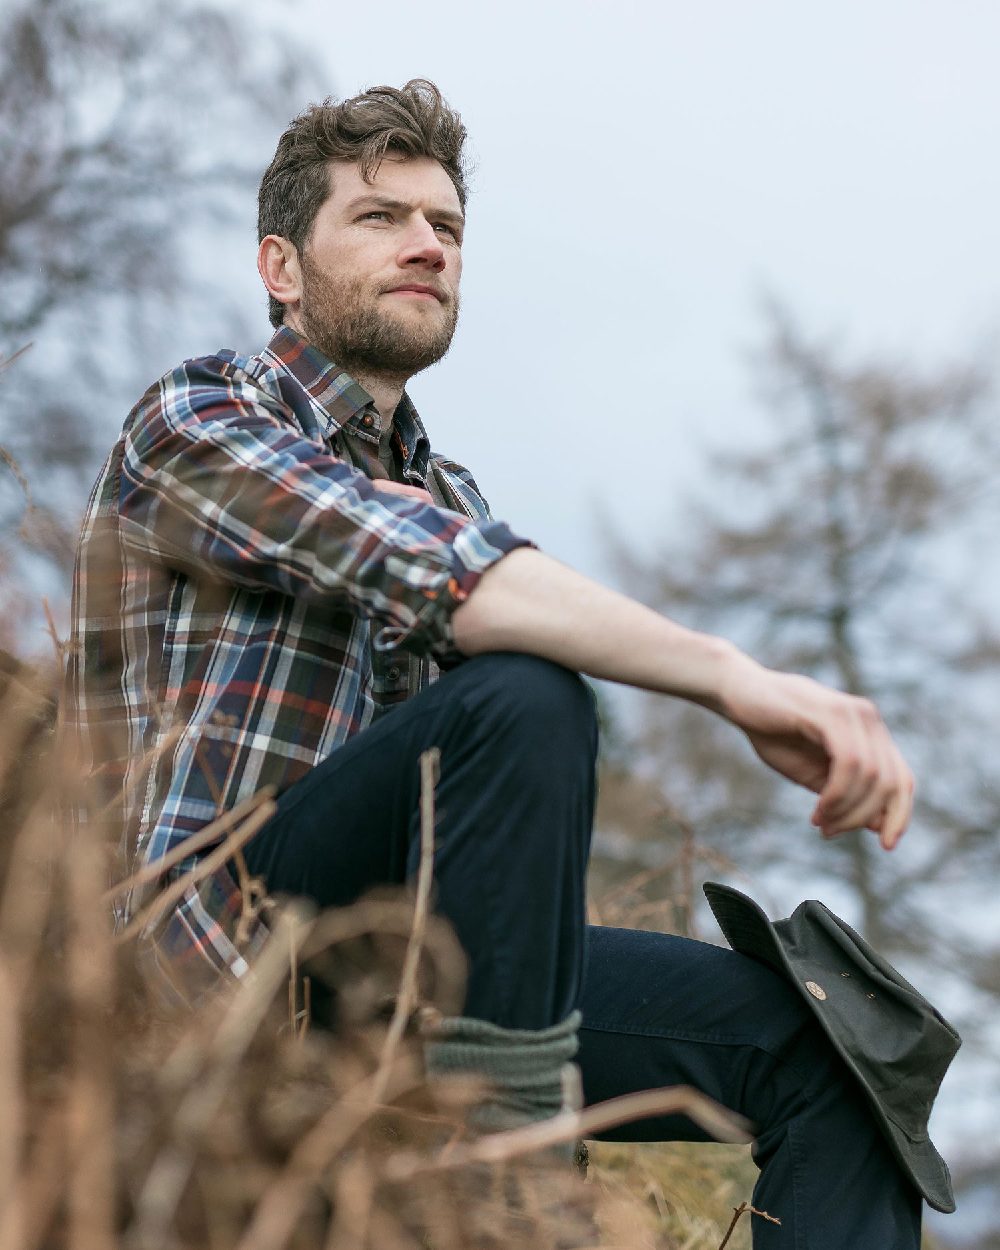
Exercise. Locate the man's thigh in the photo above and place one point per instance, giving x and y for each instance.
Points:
(347, 825)
(509, 728)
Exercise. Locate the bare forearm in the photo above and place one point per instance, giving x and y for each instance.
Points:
(532, 603)
(834, 744)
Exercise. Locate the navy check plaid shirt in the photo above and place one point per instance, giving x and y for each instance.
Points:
(245, 600)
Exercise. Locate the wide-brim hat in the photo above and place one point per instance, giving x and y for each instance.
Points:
(896, 1043)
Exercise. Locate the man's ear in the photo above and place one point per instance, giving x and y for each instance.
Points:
(278, 266)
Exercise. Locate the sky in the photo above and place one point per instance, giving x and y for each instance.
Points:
(646, 176)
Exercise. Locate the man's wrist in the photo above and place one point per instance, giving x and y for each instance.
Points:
(721, 668)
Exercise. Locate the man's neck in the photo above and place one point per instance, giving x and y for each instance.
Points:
(385, 391)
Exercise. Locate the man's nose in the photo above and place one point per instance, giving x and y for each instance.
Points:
(422, 247)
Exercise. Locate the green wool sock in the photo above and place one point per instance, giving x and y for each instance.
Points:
(524, 1067)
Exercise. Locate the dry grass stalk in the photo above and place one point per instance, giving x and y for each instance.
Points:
(91, 1098)
(12, 1102)
(406, 997)
(209, 835)
(39, 1192)
(738, 1213)
(571, 1125)
(278, 1211)
(7, 361)
(215, 859)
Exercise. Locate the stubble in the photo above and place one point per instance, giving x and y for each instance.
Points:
(345, 320)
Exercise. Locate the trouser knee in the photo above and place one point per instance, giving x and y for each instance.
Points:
(541, 705)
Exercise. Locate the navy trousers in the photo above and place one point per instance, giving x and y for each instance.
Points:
(518, 741)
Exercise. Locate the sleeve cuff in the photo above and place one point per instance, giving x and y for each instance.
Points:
(474, 550)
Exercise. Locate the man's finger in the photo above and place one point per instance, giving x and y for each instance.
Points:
(850, 778)
(899, 809)
(882, 780)
(870, 785)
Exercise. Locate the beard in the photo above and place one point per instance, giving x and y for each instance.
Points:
(343, 318)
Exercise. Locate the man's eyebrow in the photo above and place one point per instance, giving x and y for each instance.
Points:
(385, 201)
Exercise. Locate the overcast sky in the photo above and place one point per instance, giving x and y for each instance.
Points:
(645, 171)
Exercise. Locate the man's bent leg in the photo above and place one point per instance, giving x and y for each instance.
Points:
(661, 1010)
(518, 738)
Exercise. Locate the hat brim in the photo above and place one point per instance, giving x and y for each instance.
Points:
(749, 931)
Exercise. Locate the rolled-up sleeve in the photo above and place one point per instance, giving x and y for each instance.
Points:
(217, 482)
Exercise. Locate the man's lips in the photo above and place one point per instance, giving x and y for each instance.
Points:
(418, 289)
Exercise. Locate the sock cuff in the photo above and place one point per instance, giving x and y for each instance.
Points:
(484, 1033)
(524, 1067)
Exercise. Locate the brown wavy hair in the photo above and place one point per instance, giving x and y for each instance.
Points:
(413, 120)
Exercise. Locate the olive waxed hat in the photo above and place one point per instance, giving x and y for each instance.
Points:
(895, 1042)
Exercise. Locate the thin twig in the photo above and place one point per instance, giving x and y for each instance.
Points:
(275, 1217)
(298, 1018)
(12, 1100)
(91, 1120)
(40, 1192)
(722, 1124)
(354, 1195)
(176, 890)
(737, 1214)
(170, 739)
(58, 645)
(293, 981)
(15, 469)
(740, 1211)
(407, 995)
(253, 895)
(252, 891)
(32, 859)
(9, 360)
(190, 846)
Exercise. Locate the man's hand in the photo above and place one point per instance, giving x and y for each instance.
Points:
(831, 743)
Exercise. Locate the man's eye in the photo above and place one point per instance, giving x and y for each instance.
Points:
(450, 230)
(376, 214)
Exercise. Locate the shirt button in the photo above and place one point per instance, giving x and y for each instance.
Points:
(368, 420)
(393, 674)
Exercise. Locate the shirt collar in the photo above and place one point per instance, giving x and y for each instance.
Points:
(341, 398)
(329, 386)
(413, 436)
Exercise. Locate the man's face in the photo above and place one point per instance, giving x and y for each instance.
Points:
(381, 268)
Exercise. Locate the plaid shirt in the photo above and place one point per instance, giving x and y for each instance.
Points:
(245, 600)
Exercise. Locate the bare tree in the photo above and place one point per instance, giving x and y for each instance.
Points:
(845, 547)
(131, 136)
(124, 127)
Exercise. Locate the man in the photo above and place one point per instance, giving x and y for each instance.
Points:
(273, 568)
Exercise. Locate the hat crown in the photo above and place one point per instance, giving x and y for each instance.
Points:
(898, 1040)
(894, 1041)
